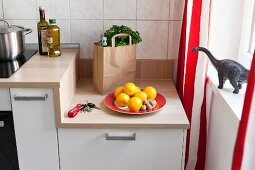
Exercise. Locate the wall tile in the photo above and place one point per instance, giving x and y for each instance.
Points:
(86, 9)
(86, 32)
(29, 38)
(119, 9)
(57, 9)
(17, 9)
(65, 31)
(176, 9)
(153, 9)
(109, 23)
(154, 35)
(174, 39)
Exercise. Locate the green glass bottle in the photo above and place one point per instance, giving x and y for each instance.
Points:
(41, 30)
(53, 39)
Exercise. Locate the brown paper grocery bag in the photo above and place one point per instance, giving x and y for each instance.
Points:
(113, 66)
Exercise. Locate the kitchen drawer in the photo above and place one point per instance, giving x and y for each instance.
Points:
(5, 104)
(152, 149)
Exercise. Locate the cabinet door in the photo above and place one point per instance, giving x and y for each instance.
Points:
(152, 149)
(5, 104)
(36, 134)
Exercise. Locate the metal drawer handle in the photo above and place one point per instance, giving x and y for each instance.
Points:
(30, 98)
(108, 137)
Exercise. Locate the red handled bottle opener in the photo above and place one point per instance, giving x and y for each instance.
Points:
(74, 111)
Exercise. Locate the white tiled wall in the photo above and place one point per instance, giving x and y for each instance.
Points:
(82, 21)
(153, 9)
(154, 34)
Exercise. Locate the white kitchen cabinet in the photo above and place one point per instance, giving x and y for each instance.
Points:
(5, 104)
(152, 149)
(36, 134)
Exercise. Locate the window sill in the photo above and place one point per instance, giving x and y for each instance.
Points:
(233, 101)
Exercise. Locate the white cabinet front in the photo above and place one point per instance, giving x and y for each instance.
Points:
(5, 104)
(120, 149)
(34, 122)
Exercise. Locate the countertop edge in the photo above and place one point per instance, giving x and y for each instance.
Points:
(30, 85)
(124, 126)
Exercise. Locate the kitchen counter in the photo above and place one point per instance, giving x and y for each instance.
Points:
(171, 116)
(42, 71)
(60, 74)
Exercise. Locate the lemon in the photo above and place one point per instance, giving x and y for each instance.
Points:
(134, 104)
(118, 90)
(151, 92)
(141, 94)
(130, 88)
(122, 99)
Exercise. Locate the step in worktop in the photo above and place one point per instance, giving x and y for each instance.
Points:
(172, 115)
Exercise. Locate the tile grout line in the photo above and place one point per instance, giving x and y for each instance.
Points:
(136, 14)
(36, 20)
(103, 17)
(36, 7)
(2, 2)
(168, 25)
(70, 21)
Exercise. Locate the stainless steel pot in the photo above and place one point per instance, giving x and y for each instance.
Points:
(12, 40)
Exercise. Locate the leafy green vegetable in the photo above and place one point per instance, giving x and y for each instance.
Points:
(122, 41)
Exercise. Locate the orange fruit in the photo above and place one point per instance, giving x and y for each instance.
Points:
(151, 92)
(118, 90)
(130, 88)
(134, 104)
(141, 94)
(122, 99)
(138, 89)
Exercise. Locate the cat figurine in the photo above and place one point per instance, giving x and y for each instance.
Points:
(227, 69)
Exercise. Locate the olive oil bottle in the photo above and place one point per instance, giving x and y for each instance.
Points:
(53, 39)
(41, 30)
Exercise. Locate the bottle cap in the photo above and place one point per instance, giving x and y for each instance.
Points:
(41, 8)
(52, 21)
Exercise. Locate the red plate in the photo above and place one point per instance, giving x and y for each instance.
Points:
(110, 98)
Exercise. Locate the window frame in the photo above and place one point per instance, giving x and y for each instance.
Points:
(244, 56)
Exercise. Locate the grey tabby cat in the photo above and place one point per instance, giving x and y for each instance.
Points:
(227, 69)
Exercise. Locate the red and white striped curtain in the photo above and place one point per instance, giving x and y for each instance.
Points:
(191, 79)
(244, 152)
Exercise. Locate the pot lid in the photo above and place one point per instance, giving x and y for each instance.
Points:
(7, 28)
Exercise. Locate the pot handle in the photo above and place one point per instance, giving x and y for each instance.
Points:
(5, 22)
(27, 31)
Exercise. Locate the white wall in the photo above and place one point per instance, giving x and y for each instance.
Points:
(225, 31)
(226, 25)
(222, 130)
(82, 21)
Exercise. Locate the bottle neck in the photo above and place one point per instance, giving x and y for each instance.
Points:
(42, 15)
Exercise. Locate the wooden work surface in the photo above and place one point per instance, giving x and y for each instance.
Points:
(41, 71)
(171, 116)
(60, 74)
